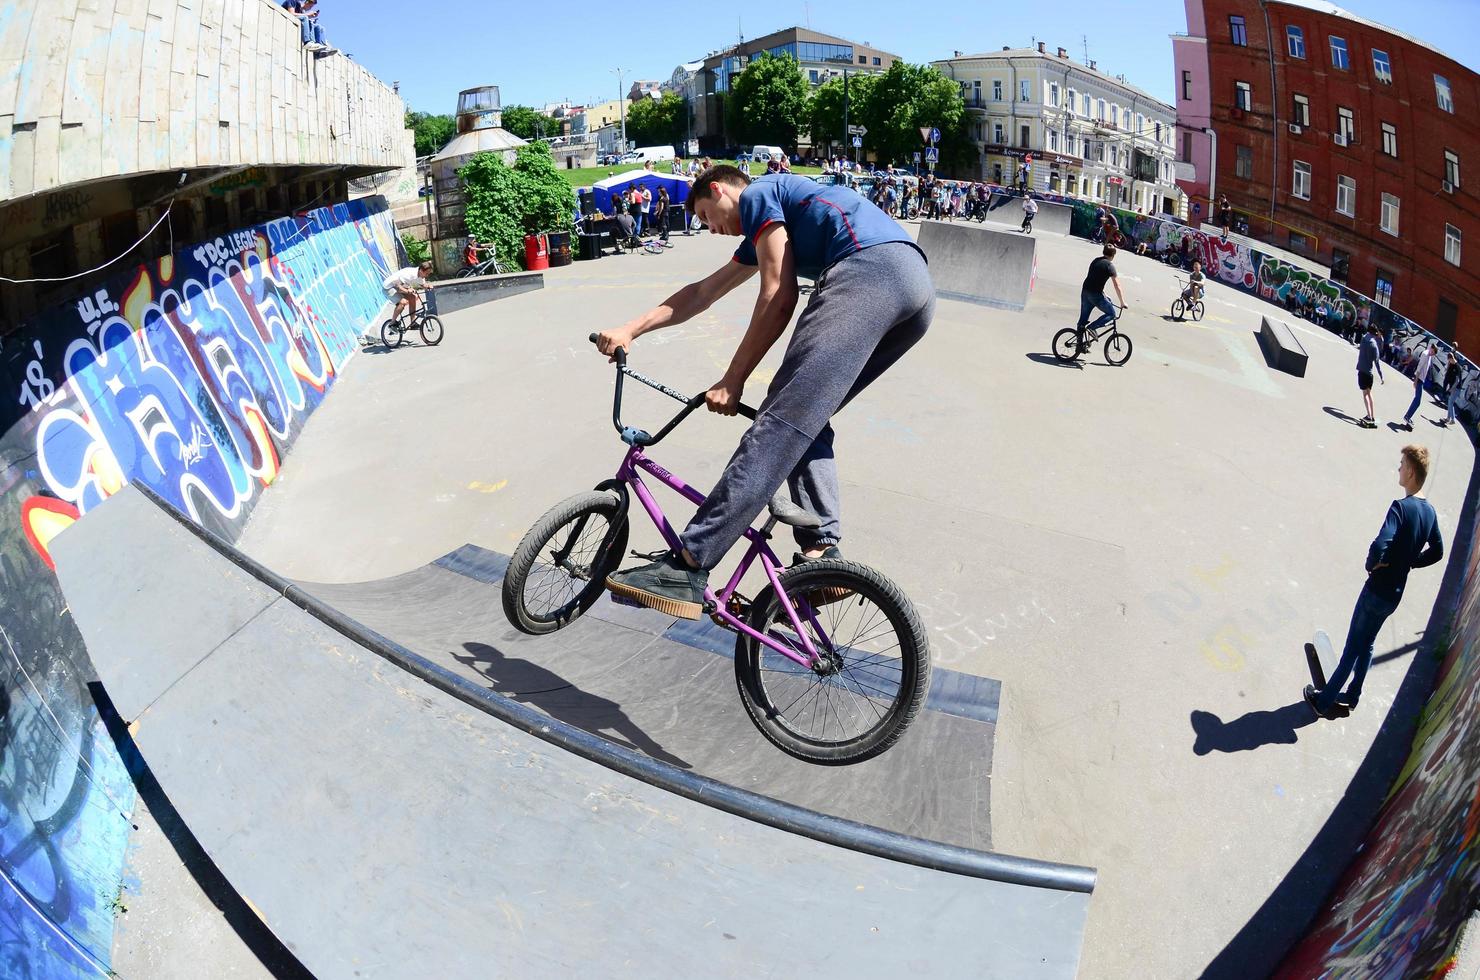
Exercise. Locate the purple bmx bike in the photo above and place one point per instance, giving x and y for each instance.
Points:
(831, 659)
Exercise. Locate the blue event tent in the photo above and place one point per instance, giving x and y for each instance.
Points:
(678, 187)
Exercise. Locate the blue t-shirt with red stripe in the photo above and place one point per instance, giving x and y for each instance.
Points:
(825, 224)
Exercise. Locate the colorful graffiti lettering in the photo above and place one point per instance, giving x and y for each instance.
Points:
(194, 374)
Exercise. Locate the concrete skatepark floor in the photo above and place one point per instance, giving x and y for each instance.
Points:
(1137, 553)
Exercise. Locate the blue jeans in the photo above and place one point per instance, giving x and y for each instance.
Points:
(1417, 400)
(637, 217)
(1371, 612)
(1087, 303)
(310, 31)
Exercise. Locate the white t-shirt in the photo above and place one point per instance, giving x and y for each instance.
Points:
(1425, 360)
(1030, 205)
(408, 278)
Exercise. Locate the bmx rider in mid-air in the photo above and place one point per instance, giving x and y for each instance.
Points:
(872, 302)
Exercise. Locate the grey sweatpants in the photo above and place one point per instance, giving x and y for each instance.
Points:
(866, 311)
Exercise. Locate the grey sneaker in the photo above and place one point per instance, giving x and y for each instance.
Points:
(830, 552)
(822, 597)
(668, 585)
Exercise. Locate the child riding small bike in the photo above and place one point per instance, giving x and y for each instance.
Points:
(1193, 291)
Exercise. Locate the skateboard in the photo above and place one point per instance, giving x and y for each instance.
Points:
(1317, 655)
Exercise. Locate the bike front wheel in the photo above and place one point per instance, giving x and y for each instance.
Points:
(872, 674)
(1197, 310)
(1117, 349)
(431, 331)
(559, 569)
(391, 334)
(1066, 345)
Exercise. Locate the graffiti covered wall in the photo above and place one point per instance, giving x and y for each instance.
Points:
(193, 374)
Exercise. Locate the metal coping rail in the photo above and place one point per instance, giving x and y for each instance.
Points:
(788, 817)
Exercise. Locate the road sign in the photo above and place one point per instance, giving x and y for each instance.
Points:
(934, 135)
(857, 130)
(932, 155)
(857, 142)
(917, 156)
(925, 133)
(1196, 208)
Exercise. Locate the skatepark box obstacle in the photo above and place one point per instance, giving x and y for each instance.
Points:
(1281, 347)
(980, 265)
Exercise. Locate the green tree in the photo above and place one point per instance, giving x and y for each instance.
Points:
(657, 122)
(768, 102)
(825, 111)
(905, 99)
(506, 203)
(431, 132)
(528, 124)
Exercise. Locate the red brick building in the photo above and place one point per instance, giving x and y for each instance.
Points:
(1340, 139)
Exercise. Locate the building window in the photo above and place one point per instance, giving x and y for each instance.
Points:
(1390, 214)
(1158, 132)
(1100, 105)
(1382, 68)
(1025, 93)
(1441, 93)
(1383, 288)
(997, 132)
(996, 90)
(1186, 85)
(1451, 169)
(1023, 135)
(1390, 139)
(1341, 265)
(1451, 244)
(876, 61)
(1346, 196)
(1346, 125)
(1086, 100)
(1338, 53)
(1243, 96)
(1237, 32)
(1053, 140)
(863, 59)
(1186, 147)
(1243, 164)
(1295, 42)
(1301, 186)
(812, 74)
(1053, 93)
(1300, 116)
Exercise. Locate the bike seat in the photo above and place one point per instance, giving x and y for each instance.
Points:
(784, 510)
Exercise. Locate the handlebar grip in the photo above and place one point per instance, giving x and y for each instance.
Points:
(620, 356)
(592, 338)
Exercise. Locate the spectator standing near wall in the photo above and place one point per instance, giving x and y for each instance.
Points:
(1425, 364)
(1409, 539)
(1452, 387)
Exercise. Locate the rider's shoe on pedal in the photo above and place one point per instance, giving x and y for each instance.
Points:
(822, 597)
(831, 551)
(668, 585)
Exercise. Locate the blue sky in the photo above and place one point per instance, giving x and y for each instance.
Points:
(537, 53)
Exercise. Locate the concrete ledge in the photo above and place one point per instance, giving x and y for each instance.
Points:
(459, 294)
(1281, 348)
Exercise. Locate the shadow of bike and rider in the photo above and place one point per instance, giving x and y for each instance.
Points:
(529, 683)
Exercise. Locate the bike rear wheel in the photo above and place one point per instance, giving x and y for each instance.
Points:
(873, 678)
(431, 331)
(391, 334)
(559, 569)
(1066, 345)
(1178, 308)
(1117, 349)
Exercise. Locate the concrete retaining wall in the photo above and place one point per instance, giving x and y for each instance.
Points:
(117, 87)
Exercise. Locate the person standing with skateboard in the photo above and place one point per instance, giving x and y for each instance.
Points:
(1409, 539)
(1367, 359)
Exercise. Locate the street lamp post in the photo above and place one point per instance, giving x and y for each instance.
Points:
(622, 104)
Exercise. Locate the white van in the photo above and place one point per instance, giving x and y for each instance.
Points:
(654, 153)
(761, 154)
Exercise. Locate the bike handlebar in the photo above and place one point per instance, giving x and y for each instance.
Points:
(640, 437)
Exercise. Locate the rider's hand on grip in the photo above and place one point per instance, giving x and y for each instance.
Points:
(723, 398)
(609, 342)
